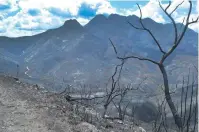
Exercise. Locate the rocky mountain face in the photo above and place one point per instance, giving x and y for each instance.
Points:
(76, 54)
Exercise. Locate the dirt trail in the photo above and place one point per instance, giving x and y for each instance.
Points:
(24, 108)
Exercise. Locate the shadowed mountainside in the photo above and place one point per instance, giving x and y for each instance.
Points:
(80, 54)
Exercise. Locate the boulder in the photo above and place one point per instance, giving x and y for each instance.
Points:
(144, 111)
(86, 127)
(139, 129)
(147, 112)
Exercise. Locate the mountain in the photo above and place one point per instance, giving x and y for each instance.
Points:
(83, 54)
(125, 36)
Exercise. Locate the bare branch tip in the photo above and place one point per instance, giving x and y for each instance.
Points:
(137, 4)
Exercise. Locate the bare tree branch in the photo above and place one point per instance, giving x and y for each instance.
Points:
(178, 38)
(135, 26)
(183, 20)
(146, 29)
(139, 58)
(173, 21)
(113, 46)
(196, 68)
(128, 57)
(194, 21)
(182, 95)
(168, 6)
(177, 7)
(196, 110)
(186, 24)
(185, 101)
(190, 107)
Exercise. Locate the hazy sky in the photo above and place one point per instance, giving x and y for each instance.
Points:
(26, 17)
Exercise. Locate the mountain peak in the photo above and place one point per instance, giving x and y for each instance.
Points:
(68, 26)
(115, 16)
(133, 17)
(100, 16)
(98, 19)
(72, 24)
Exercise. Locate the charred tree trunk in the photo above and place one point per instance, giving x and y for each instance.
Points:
(169, 100)
(105, 110)
(120, 114)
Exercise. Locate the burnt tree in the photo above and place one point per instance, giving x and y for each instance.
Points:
(165, 54)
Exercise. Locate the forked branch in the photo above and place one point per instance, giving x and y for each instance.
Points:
(176, 6)
(178, 37)
(146, 29)
(132, 56)
(171, 18)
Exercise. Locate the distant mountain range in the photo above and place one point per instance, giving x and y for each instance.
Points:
(83, 54)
